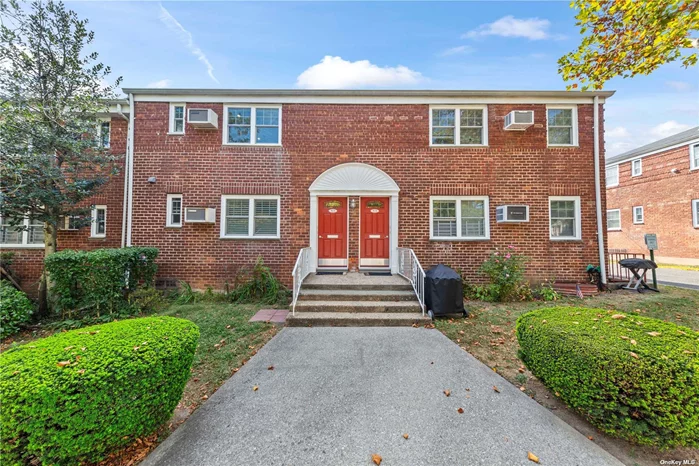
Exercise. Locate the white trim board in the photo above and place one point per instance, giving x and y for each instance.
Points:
(664, 149)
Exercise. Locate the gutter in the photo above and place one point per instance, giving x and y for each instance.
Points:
(126, 169)
(129, 174)
(121, 113)
(598, 197)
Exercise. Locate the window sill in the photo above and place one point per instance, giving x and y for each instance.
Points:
(243, 144)
(453, 146)
(563, 145)
(22, 246)
(98, 237)
(636, 176)
(173, 227)
(174, 134)
(613, 229)
(641, 223)
(612, 186)
(568, 240)
(437, 239)
(250, 237)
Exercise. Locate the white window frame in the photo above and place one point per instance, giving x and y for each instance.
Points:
(633, 168)
(171, 126)
(457, 124)
(574, 117)
(458, 199)
(25, 238)
(578, 218)
(643, 215)
(253, 125)
(93, 225)
(612, 229)
(168, 220)
(694, 156)
(251, 216)
(66, 223)
(99, 133)
(695, 214)
(616, 169)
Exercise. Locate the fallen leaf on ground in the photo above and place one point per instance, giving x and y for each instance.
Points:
(522, 388)
(405, 436)
(618, 316)
(447, 392)
(460, 410)
(654, 334)
(376, 459)
(633, 342)
(496, 389)
(205, 397)
(63, 363)
(255, 388)
(270, 368)
(532, 457)
(590, 437)
(633, 355)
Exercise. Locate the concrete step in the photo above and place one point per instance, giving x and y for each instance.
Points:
(356, 281)
(355, 319)
(356, 295)
(357, 286)
(332, 306)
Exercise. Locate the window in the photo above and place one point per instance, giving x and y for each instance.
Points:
(70, 223)
(26, 232)
(564, 218)
(250, 217)
(177, 118)
(174, 210)
(459, 218)
(614, 219)
(638, 215)
(694, 157)
(252, 125)
(636, 167)
(99, 221)
(612, 176)
(104, 134)
(695, 213)
(562, 126)
(462, 126)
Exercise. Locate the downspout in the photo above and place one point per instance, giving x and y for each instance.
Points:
(126, 178)
(129, 214)
(598, 196)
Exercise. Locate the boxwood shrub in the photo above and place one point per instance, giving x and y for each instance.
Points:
(633, 377)
(75, 396)
(15, 309)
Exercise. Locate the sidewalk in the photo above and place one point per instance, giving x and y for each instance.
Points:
(676, 277)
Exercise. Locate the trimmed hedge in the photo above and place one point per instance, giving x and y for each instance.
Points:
(15, 309)
(78, 395)
(100, 279)
(633, 377)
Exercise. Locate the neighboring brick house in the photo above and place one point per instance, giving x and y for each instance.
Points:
(355, 175)
(655, 189)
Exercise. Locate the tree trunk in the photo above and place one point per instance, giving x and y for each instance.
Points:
(50, 243)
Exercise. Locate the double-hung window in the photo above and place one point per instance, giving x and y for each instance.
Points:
(694, 157)
(174, 210)
(99, 221)
(177, 118)
(636, 167)
(250, 217)
(614, 220)
(564, 218)
(695, 213)
(459, 126)
(459, 218)
(612, 176)
(104, 134)
(638, 215)
(252, 125)
(562, 126)
(25, 232)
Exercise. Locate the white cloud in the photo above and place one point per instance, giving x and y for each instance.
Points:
(509, 26)
(618, 132)
(668, 128)
(336, 73)
(187, 39)
(679, 86)
(163, 83)
(456, 50)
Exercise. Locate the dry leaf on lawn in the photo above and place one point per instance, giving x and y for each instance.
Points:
(270, 368)
(633, 355)
(447, 392)
(654, 334)
(255, 388)
(405, 436)
(460, 410)
(376, 459)
(532, 457)
(618, 316)
(496, 389)
(63, 363)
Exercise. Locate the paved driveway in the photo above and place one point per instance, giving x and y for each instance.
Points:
(338, 395)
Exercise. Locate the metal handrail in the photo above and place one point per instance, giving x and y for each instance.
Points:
(410, 268)
(301, 270)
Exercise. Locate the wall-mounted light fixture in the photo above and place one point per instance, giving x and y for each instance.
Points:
(151, 180)
(353, 203)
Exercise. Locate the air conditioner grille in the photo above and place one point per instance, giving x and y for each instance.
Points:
(524, 117)
(198, 115)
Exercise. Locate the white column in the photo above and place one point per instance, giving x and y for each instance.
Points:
(313, 232)
(394, 233)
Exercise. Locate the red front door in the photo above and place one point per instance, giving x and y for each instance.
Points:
(374, 236)
(332, 232)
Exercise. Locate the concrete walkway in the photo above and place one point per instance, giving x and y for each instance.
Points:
(338, 395)
(676, 277)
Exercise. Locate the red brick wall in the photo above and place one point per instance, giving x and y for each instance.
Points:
(666, 198)
(517, 167)
(28, 263)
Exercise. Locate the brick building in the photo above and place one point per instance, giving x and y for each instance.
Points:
(655, 189)
(216, 178)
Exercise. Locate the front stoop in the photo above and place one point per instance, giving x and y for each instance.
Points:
(356, 300)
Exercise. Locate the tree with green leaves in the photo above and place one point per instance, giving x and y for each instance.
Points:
(630, 37)
(52, 93)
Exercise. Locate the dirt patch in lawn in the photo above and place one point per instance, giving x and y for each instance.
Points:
(489, 335)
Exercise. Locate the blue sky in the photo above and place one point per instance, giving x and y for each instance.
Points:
(418, 45)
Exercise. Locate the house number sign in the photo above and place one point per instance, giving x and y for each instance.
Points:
(333, 211)
(374, 211)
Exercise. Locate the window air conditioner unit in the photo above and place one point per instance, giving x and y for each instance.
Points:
(200, 214)
(202, 118)
(519, 120)
(512, 213)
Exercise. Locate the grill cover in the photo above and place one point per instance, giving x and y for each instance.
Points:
(444, 291)
(633, 263)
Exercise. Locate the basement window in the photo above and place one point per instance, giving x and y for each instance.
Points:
(459, 218)
(253, 217)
